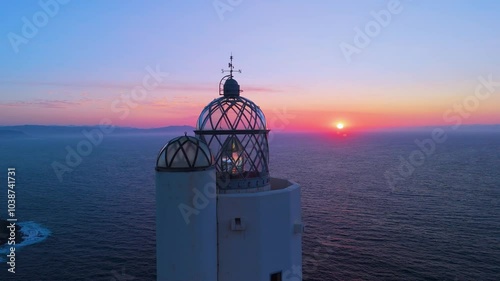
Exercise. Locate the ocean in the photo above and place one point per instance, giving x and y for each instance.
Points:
(375, 206)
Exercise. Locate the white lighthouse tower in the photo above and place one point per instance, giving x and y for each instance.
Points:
(256, 218)
(186, 246)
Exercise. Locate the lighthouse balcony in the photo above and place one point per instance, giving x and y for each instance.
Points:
(277, 184)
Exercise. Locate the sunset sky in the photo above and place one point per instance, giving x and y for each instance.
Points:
(73, 63)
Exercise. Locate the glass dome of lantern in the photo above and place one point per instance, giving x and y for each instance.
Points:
(185, 153)
(235, 130)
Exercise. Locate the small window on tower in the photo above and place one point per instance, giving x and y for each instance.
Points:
(276, 276)
(238, 224)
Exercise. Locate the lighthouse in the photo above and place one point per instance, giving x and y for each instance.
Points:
(220, 214)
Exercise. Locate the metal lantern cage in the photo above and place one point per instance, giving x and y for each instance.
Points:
(184, 153)
(235, 130)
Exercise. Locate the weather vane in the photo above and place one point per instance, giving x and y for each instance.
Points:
(231, 67)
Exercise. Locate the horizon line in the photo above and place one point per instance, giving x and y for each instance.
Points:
(280, 130)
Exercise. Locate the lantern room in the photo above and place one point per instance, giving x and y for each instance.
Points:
(235, 130)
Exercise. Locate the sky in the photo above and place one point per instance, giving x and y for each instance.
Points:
(309, 65)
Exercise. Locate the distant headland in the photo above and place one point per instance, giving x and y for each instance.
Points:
(27, 131)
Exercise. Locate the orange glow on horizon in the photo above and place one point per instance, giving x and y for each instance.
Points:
(157, 113)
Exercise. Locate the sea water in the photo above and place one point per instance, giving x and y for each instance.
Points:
(439, 222)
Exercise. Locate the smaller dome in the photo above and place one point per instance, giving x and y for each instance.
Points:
(231, 88)
(184, 153)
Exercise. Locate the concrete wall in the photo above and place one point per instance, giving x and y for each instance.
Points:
(266, 239)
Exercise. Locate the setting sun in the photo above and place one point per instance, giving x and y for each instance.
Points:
(340, 126)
